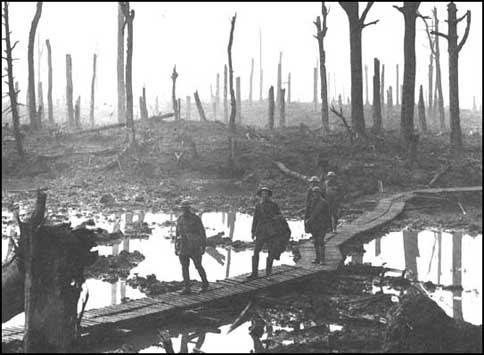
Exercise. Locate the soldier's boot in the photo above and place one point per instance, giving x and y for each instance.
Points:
(255, 267)
(269, 262)
(186, 289)
(204, 281)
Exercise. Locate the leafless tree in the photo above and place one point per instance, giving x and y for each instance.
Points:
(377, 118)
(12, 93)
(120, 67)
(454, 47)
(30, 58)
(69, 92)
(321, 30)
(93, 81)
(50, 105)
(357, 24)
(233, 109)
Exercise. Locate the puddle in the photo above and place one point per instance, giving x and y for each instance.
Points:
(158, 249)
(444, 258)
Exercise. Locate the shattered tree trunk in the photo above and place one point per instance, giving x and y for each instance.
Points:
(289, 88)
(12, 91)
(282, 109)
(377, 118)
(174, 75)
(239, 100)
(270, 121)
(315, 89)
(145, 106)
(321, 30)
(201, 113)
(233, 110)
(50, 109)
(55, 257)
(356, 25)
(389, 101)
(279, 79)
(129, 17)
(251, 78)
(93, 81)
(40, 116)
(178, 105)
(120, 68)
(366, 85)
(382, 90)
(409, 11)
(77, 113)
(69, 92)
(421, 112)
(217, 92)
(439, 101)
(226, 108)
(397, 88)
(31, 76)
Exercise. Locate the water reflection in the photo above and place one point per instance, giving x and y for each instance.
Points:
(436, 256)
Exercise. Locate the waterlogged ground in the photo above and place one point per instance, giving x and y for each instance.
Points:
(443, 258)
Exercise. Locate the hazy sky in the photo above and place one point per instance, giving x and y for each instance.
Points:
(194, 36)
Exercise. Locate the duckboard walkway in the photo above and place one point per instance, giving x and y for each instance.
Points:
(135, 311)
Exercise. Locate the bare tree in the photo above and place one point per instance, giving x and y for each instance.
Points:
(50, 109)
(201, 113)
(315, 88)
(397, 87)
(366, 85)
(120, 67)
(377, 119)
(30, 59)
(439, 97)
(238, 99)
(40, 113)
(69, 92)
(12, 92)
(410, 12)
(279, 79)
(251, 77)
(357, 24)
(454, 47)
(93, 81)
(282, 109)
(226, 109)
(421, 111)
(129, 17)
(289, 88)
(270, 123)
(174, 75)
(233, 109)
(321, 29)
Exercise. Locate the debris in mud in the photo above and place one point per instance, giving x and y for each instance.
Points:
(151, 286)
(107, 199)
(111, 268)
(138, 230)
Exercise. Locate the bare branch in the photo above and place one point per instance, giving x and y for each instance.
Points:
(440, 34)
(466, 33)
(13, 46)
(370, 23)
(399, 9)
(427, 29)
(461, 18)
(369, 4)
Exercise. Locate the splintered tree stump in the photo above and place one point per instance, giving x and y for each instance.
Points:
(418, 325)
(49, 268)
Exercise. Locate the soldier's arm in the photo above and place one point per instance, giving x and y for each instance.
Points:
(255, 220)
(202, 231)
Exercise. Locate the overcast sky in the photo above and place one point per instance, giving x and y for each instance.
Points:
(194, 36)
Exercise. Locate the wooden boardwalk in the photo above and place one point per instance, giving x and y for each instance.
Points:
(134, 311)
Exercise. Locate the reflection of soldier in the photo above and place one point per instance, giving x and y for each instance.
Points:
(317, 222)
(268, 228)
(187, 338)
(256, 330)
(190, 244)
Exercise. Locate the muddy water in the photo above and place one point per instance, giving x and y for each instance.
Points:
(158, 249)
(444, 258)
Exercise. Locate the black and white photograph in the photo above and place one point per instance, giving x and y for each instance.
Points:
(241, 177)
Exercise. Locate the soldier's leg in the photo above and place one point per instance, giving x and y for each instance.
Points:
(255, 258)
(185, 263)
(269, 262)
(317, 248)
(197, 260)
(322, 246)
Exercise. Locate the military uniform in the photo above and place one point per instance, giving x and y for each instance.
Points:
(333, 193)
(271, 229)
(190, 244)
(317, 223)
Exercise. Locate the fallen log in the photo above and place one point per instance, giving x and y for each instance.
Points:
(290, 172)
(161, 117)
(418, 325)
(92, 130)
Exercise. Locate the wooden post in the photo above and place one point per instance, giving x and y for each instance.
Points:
(199, 107)
(69, 92)
(271, 108)
(239, 100)
(282, 109)
(50, 109)
(315, 89)
(421, 111)
(226, 108)
(189, 108)
(289, 88)
(251, 77)
(174, 75)
(377, 119)
(93, 81)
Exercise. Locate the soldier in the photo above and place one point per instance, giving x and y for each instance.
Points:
(313, 182)
(333, 194)
(317, 222)
(190, 244)
(269, 228)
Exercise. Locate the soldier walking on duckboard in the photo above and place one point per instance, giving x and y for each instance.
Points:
(317, 221)
(190, 244)
(268, 228)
